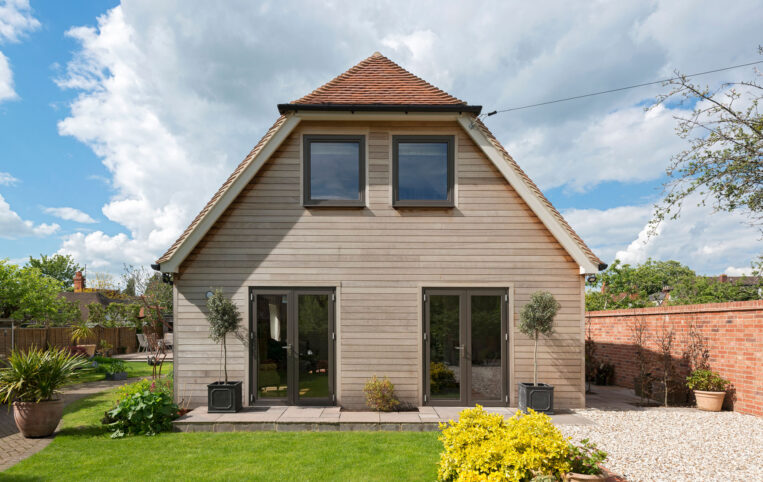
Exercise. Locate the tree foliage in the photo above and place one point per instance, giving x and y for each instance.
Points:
(224, 319)
(26, 294)
(723, 164)
(623, 286)
(58, 266)
(537, 318)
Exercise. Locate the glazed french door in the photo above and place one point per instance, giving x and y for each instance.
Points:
(465, 346)
(292, 346)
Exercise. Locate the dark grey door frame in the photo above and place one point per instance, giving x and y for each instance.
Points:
(292, 339)
(465, 295)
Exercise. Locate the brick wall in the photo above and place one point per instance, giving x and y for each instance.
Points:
(733, 332)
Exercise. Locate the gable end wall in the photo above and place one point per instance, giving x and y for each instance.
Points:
(379, 258)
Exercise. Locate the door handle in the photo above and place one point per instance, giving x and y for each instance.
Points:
(287, 347)
(459, 348)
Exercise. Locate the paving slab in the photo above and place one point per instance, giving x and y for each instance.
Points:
(359, 417)
(400, 417)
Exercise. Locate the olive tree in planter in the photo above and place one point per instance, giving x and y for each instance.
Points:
(31, 382)
(224, 319)
(535, 319)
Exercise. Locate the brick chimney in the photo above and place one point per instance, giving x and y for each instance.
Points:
(79, 282)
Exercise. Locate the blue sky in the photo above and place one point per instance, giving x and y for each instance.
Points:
(119, 120)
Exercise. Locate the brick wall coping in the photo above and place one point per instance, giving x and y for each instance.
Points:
(664, 310)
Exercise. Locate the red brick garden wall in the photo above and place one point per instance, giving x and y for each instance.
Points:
(733, 333)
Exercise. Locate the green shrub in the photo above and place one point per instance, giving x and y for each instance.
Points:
(441, 378)
(380, 395)
(36, 375)
(112, 366)
(484, 446)
(586, 458)
(142, 408)
(707, 381)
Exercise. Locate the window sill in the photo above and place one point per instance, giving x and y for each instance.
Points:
(335, 204)
(423, 204)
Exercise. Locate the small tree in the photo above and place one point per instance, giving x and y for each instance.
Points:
(537, 318)
(224, 318)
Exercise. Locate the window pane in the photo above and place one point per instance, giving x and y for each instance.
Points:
(271, 346)
(422, 171)
(444, 343)
(313, 346)
(486, 347)
(334, 170)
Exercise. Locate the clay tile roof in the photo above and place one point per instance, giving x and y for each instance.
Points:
(378, 80)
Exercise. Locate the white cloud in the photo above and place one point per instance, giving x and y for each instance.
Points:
(101, 251)
(173, 94)
(705, 241)
(16, 20)
(733, 271)
(13, 227)
(6, 179)
(70, 214)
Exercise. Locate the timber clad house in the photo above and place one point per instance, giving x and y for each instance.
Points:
(379, 228)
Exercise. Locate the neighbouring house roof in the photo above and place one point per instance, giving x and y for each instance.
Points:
(380, 84)
(86, 297)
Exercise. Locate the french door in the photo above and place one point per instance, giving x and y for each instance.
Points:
(292, 346)
(465, 346)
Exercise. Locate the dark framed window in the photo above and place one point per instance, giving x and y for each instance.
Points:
(423, 171)
(334, 170)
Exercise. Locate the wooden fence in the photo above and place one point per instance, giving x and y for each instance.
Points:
(24, 338)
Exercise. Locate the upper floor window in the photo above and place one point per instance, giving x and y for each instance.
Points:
(334, 170)
(423, 171)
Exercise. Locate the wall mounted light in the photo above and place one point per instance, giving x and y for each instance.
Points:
(210, 294)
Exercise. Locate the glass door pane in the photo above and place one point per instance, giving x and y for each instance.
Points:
(313, 346)
(445, 347)
(272, 346)
(486, 373)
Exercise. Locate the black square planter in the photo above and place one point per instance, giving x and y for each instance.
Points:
(539, 397)
(224, 397)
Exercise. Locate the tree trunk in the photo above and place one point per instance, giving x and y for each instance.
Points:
(535, 360)
(225, 360)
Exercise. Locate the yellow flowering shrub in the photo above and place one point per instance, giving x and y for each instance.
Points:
(483, 446)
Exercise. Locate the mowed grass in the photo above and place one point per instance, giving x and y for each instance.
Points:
(84, 451)
(134, 369)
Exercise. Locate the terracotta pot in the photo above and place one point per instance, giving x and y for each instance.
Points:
(573, 477)
(89, 349)
(38, 419)
(709, 401)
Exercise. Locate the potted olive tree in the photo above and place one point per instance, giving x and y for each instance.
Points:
(30, 383)
(224, 319)
(709, 389)
(537, 318)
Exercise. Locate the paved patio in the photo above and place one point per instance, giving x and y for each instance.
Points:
(284, 419)
(140, 356)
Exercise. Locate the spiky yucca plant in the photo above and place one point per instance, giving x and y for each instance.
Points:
(37, 375)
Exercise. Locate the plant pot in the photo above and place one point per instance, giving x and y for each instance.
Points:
(539, 397)
(38, 419)
(89, 349)
(573, 477)
(116, 376)
(224, 397)
(709, 401)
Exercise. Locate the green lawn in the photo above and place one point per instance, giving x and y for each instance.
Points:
(134, 369)
(82, 451)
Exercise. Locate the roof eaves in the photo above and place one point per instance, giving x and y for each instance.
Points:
(458, 108)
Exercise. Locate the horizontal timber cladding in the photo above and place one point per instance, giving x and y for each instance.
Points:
(379, 259)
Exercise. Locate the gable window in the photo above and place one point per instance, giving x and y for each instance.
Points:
(334, 170)
(422, 171)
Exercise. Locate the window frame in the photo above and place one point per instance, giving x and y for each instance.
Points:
(307, 140)
(451, 166)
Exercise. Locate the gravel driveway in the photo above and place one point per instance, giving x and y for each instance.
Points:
(675, 444)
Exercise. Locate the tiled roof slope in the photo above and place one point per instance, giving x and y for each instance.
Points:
(378, 80)
(237, 172)
(510, 160)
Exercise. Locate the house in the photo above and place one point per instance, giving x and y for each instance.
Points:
(85, 296)
(379, 228)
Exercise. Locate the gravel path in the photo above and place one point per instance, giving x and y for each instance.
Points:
(676, 444)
